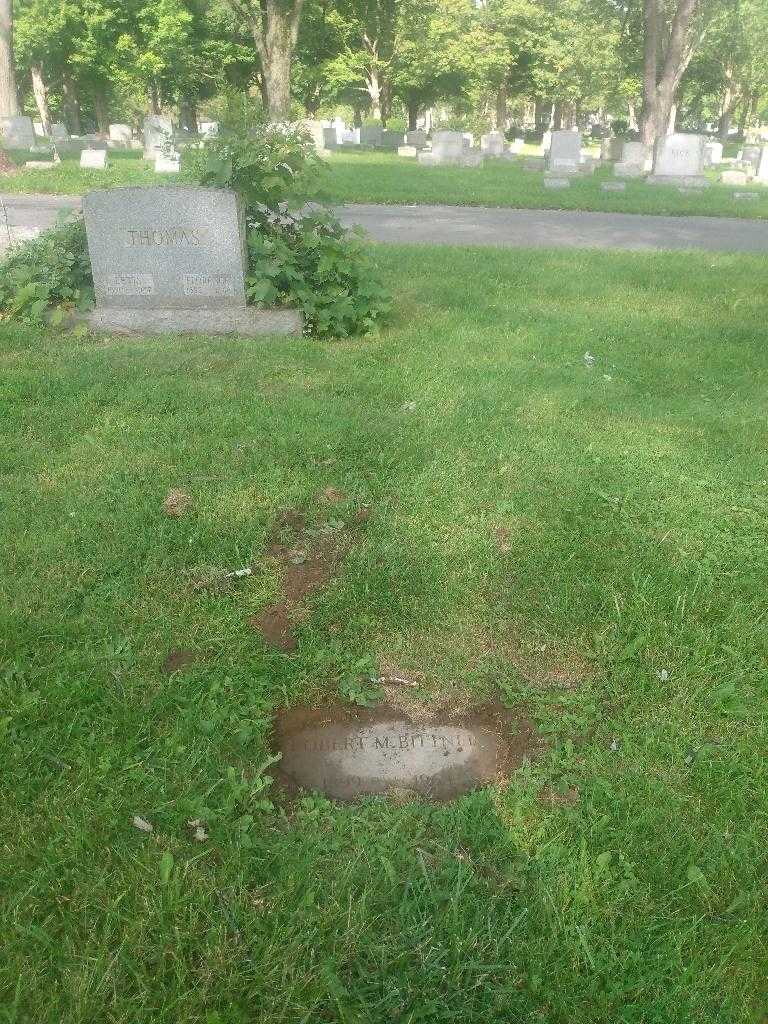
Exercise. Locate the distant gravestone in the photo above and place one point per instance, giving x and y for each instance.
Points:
(564, 153)
(546, 142)
(613, 186)
(492, 144)
(208, 129)
(330, 138)
(17, 132)
(556, 182)
(417, 138)
(713, 153)
(611, 149)
(634, 160)
(409, 151)
(391, 140)
(751, 155)
(679, 160)
(762, 167)
(168, 163)
(173, 260)
(93, 159)
(120, 133)
(158, 135)
(449, 150)
(59, 132)
(733, 178)
(517, 146)
(370, 135)
(746, 195)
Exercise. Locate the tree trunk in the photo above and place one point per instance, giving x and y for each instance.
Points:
(101, 110)
(386, 102)
(373, 86)
(71, 104)
(557, 117)
(631, 117)
(188, 114)
(730, 98)
(154, 97)
(659, 88)
(9, 100)
(40, 90)
(275, 27)
(501, 109)
(413, 116)
(672, 119)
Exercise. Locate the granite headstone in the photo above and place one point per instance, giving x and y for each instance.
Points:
(173, 260)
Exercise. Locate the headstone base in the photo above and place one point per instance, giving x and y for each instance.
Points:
(622, 170)
(246, 323)
(556, 182)
(613, 186)
(681, 180)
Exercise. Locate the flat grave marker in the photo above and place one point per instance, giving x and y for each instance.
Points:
(93, 159)
(349, 753)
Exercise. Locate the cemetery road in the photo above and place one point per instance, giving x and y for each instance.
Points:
(23, 215)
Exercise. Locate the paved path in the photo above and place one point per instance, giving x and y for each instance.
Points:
(474, 225)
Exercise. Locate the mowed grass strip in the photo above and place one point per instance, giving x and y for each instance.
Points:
(586, 538)
(386, 178)
(368, 177)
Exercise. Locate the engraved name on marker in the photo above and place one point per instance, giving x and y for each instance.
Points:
(173, 237)
(208, 285)
(129, 284)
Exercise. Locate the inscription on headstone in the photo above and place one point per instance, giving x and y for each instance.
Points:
(348, 759)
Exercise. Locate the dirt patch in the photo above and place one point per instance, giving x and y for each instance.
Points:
(348, 752)
(502, 536)
(545, 665)
(333, 495)
(179, 660)
(176, 503)
(7, 166)
(308, 560)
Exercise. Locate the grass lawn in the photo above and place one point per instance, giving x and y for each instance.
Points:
(383, 178)
(620, 877)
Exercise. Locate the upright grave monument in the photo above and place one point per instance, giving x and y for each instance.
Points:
(93, 159)
(17, 132)
(679, 160)
(172, 260)
(492, 144)
(564, 153)
(635, 161)
(449, 150)
(158, 135)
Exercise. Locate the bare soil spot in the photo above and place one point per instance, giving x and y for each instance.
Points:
(7, 166)
(333, 495)
(544, 665)
(502, 537)
(176, 503)
(180, 659)
(308, 560)
(350, 752)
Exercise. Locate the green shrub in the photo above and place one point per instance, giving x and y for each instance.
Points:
(42, 278)
(314, 263)
(306, 260)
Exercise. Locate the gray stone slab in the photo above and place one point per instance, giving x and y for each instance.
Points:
(556, 182)
(168, 248)
(93, 159)
(613, 186)
(246, 323)
(350, 753)
(17, 132)
(679, 155)
(746, 195)
(679, 180)
(564, 153)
